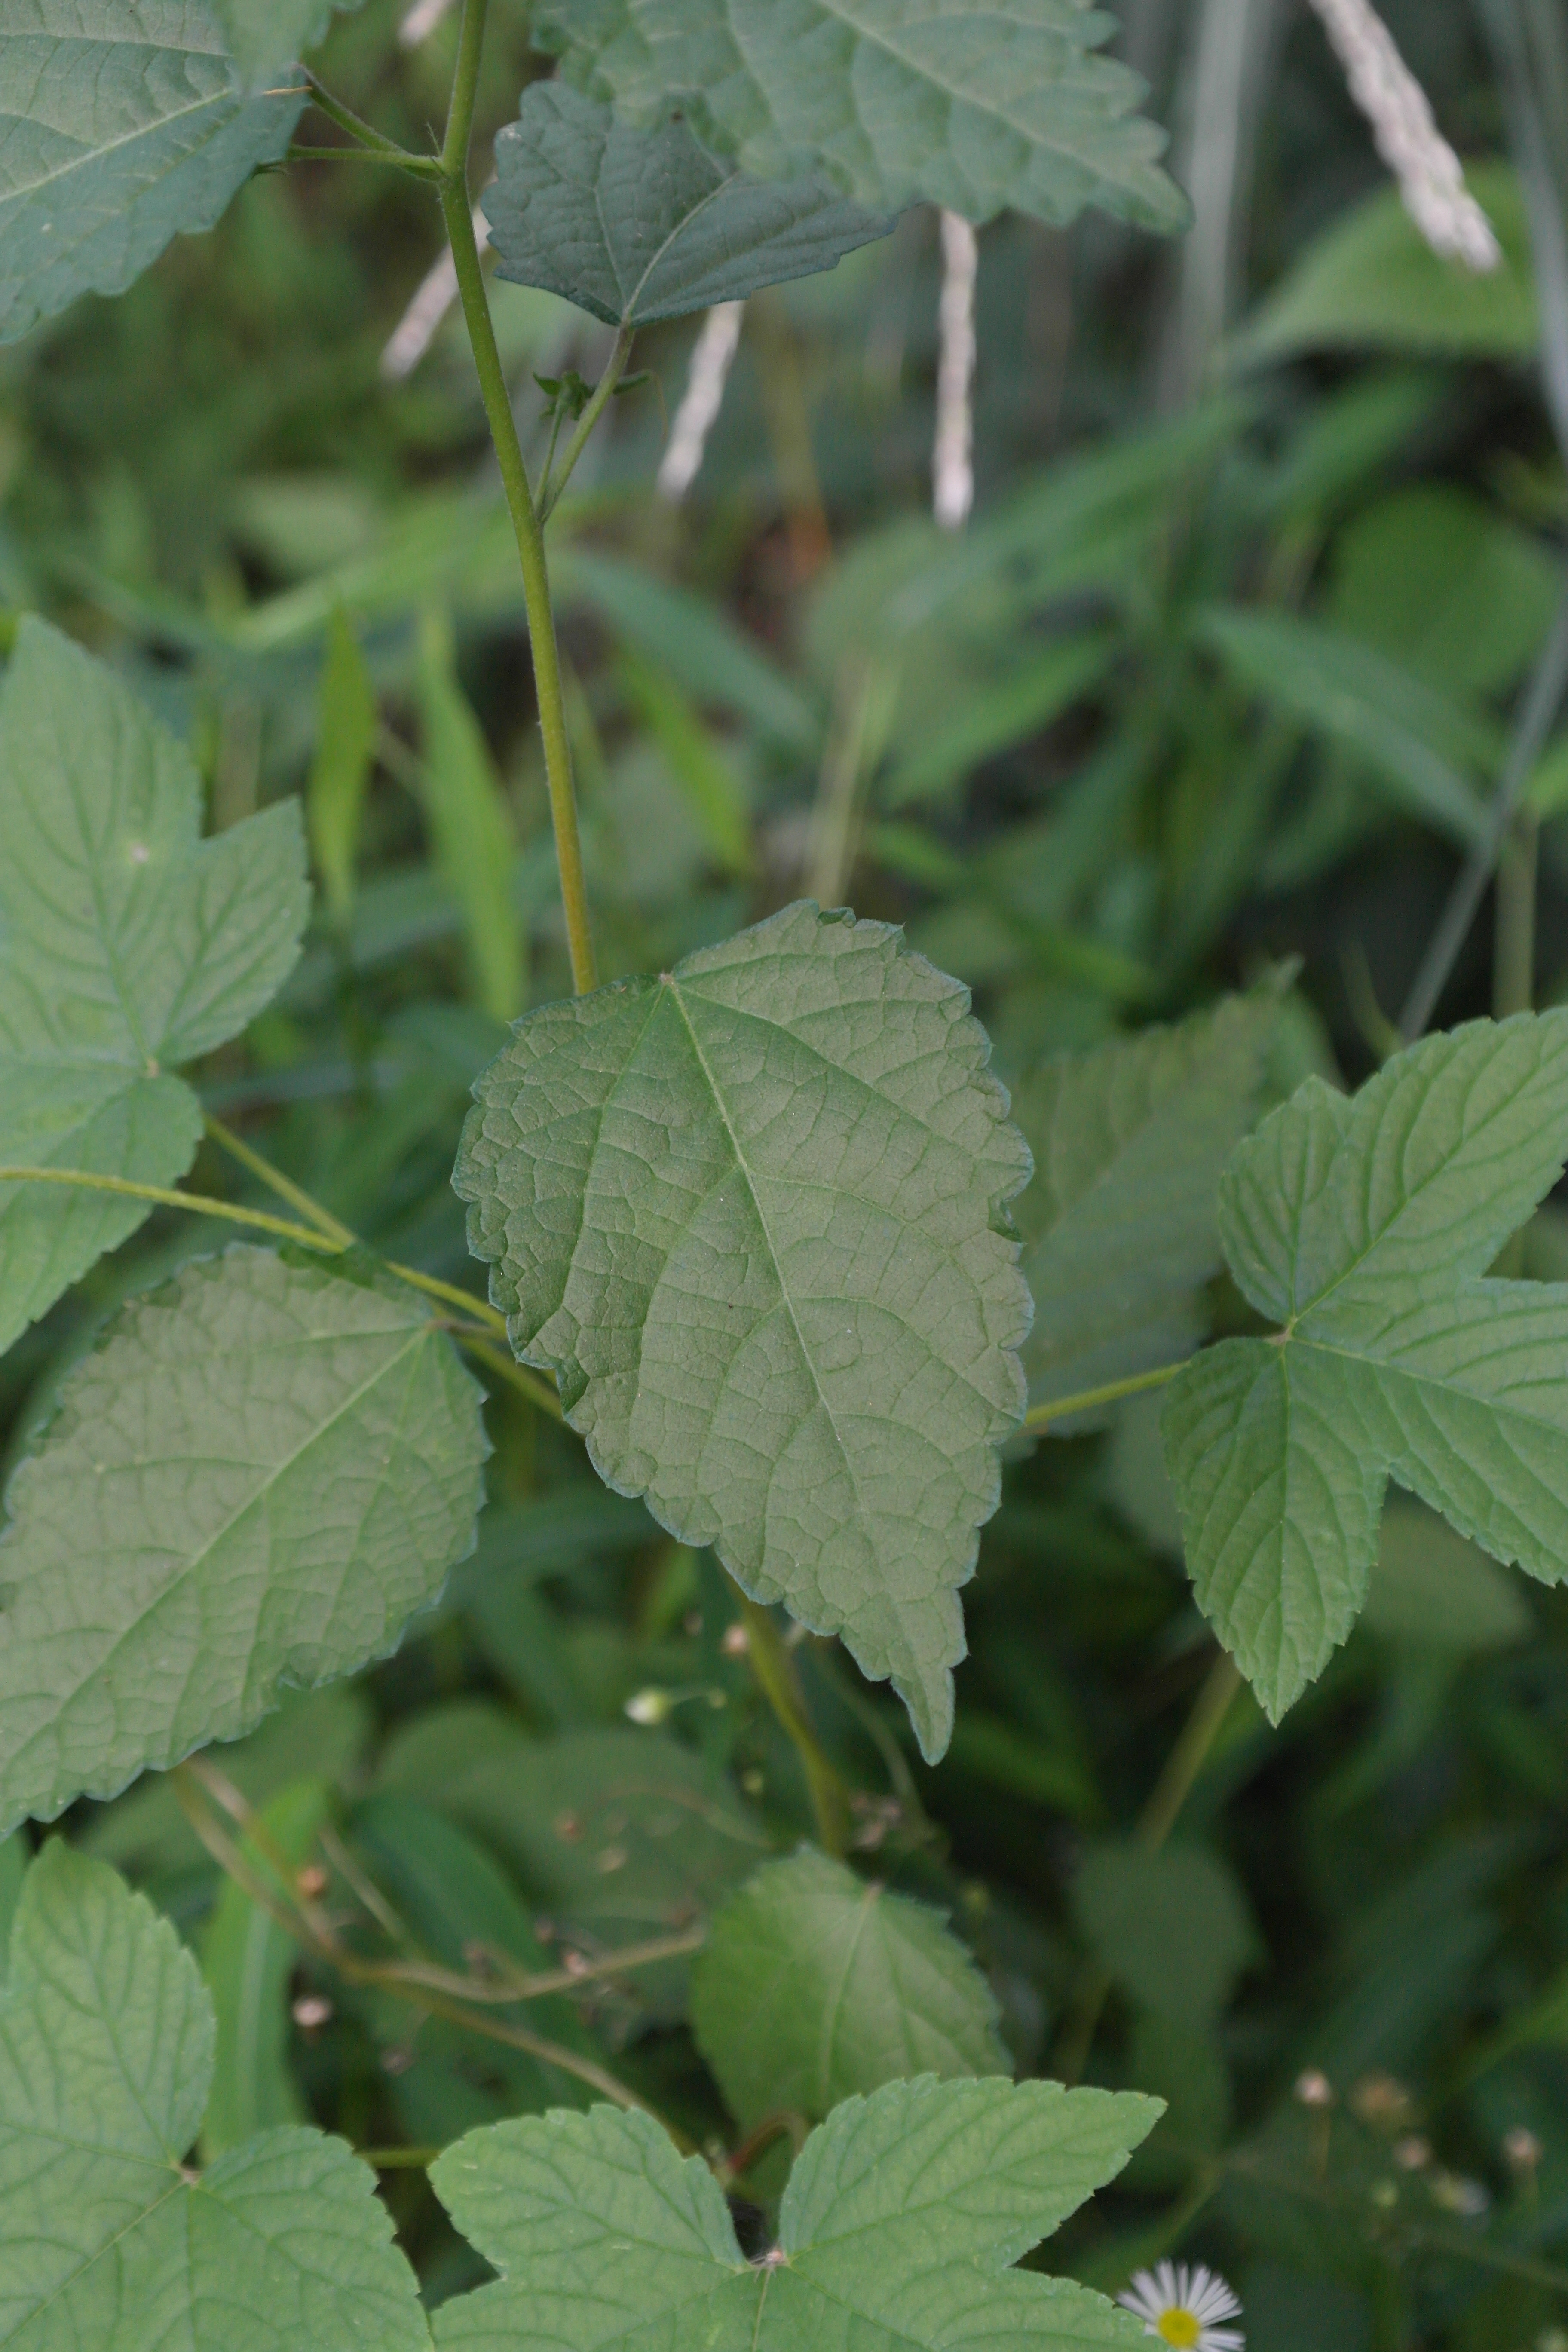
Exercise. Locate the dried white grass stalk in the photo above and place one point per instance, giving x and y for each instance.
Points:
(421, 322)
(421, 22)
(712, 356)
(1430, 175)
(953, 453)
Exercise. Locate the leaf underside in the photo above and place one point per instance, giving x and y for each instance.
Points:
(258, 1478)
(123, 122)
(1120, 1224)
(753, 1215)
(900, 100)
(127, 944)
(814, 1985)
(634, 224)
(105, 2243)
(902, 2217)
(1365, 1227)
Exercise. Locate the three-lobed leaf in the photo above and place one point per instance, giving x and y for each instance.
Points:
(634, 223)
(901, 2218)
(814, 1985)
(108, 2242)
(1364, 1228)
(256, 1481)
(751, 1213)
(900, 100)
(123, 122)
(127, 945)
(1119, 1220)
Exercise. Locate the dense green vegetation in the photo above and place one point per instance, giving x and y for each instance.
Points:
(1175, 755)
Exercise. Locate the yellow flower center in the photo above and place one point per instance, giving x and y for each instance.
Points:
(1180, 2328)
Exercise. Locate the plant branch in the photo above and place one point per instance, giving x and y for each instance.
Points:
(780, 1685)
(420, 167)
(531, 1384)
(457, 215)
(553, 484)
(365, 133)
(1041, 1416)
(276, 1182)
(162, 1196)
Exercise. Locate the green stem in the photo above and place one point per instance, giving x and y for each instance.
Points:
(421, 167)
(780, 1685)
(536, 1390)
(553, 484)
(159, 1196)
(276, 1182)
(1060, 1409)
(364, 132)
(457, 215)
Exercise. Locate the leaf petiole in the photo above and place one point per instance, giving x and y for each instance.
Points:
(1040, 1416)
(604, 391)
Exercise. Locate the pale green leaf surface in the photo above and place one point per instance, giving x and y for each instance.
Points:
(107, 2244)
(123, 122)
(1173, 1929)
(902, 2217)
(635, 223)
(753, 1215)
(265, 34)
(814, 1984)
(1371, 281)
(900, 100)
(256, 1481)
(1364, 1227)
(127, 944)
(1120, 1218)
(247, 1962)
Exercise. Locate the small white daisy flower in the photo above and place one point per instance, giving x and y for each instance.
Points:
(1180, 2306)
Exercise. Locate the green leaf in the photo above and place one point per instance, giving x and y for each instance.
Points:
(635, 223)
(1173, 1928)
(753, 1215)
(620, 1836)
(1437, 579)
(266, 34)
(127, 945)
(108, 2243)
(1119, 1220)
(1364, 1227)
(345, 754)
(247, 1960)
(123, 122)
(1422, 747)
(900, 2220)
(815, 1984)
(475, 845)
(901, 100)
(258, 1478)
(1372, 282)
(699, 769)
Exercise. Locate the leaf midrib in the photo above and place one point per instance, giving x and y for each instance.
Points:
(24, 191)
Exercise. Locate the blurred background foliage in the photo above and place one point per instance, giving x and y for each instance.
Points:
(1268, 538)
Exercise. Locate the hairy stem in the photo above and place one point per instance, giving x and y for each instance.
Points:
(458, 216)
(366, 135)
(162, 1196)
(553, 483)
(780, 1685)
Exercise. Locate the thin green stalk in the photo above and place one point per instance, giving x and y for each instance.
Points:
(780, 1685)
(1061, 1409)
(161, 1196)
(553, 484)
(276, 1182)
(364, 133)
(1193, 1747)
(422, 167)
(533, 1385)
(458, 213)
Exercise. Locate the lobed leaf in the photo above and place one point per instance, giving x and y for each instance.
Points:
(1364, 1227)
(255, 1482)
(635, 223)
(900, 100)
(108, 2243)
(900, 2219)
(127, 945)
(751, 1215)
(1119, 1220)
(123, 122)
(814, 1984)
